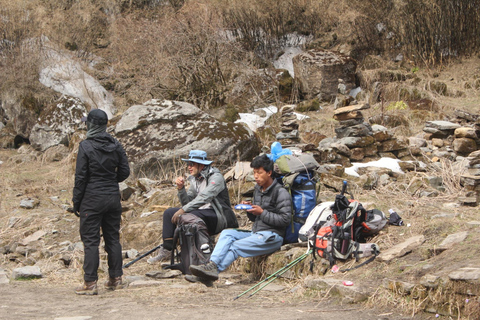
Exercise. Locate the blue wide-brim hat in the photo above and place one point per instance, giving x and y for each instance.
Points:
(198, 156)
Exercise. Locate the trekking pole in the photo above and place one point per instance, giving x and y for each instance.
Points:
(282, 272)
(344, 187)
(273, 275)
(142, 256)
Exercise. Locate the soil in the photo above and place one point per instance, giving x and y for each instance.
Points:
(174, 299)
(53, 297)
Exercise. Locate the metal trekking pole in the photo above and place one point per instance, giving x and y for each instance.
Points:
(274, 274)
(142, 256)
(301, 258)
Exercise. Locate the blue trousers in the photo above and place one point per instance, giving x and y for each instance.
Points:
(234, 243)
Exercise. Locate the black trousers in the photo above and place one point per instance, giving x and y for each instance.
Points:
(105, 212)
(207, 215)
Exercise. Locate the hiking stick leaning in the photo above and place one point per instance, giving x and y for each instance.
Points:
(142, 256)
(274, 275)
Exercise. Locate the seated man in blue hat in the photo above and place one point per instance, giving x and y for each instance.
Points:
(207, 198)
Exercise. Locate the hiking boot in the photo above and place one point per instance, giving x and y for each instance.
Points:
(208, 271)
(195, 279)
(115, 283)
(163, 255)
(88, 288)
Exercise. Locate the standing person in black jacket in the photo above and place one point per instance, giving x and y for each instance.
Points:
(101, 165)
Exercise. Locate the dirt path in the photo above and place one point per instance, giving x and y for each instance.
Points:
(172, 299)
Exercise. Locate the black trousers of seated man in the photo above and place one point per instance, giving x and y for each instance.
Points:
(207, 215)
(105, 212)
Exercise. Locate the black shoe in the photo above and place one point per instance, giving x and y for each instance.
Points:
(208, 271)
(195, 279)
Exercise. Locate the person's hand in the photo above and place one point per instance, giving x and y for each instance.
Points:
(256, 210)
(76, 210)
(180, 182)
(177, 215)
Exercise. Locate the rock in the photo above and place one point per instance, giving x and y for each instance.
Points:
(3, 277)
(28, 272)
(453, 239)
(357, 142)
(349, 109)
(474, 158)
(466, 274)
(380, 133)
(430, 281)
(442, 125)
(157, 133)
(317, 72)
(348, 116)
(465, 132)
(417, 142)
(163, 274)
(399, 287)
(62, 72)
(144, 284)
(130, 254)
(352, 294)
(392, 145)
(401, 249)
(359, 130)
(464, 145)
(29, 203)
(57, 123)
(33, 237)
(125, 191)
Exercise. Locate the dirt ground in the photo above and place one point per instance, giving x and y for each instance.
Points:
(174, 299)
(52, 297)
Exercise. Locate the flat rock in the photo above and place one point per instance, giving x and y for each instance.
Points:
(144, 284)
(353, 294)
(33, 237)
(452, 239)
(442, 125)
(465, 274)
(163, 274)
(28, 272)
(401, 249)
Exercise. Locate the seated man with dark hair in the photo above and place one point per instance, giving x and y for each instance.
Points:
(271, 213)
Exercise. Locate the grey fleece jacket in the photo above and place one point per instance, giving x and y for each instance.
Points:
(216, 193)
(277, 209)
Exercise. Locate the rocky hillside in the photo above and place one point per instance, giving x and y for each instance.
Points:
(170, 82)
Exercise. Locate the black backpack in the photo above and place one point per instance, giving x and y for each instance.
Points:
(194, 241)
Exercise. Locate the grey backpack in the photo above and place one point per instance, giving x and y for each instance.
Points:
(194, 241)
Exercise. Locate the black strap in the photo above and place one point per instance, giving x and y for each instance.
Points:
(375, 254)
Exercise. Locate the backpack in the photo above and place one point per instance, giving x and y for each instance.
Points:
(194, 241)
(293, 163)
(317, 217)
(375, 221)
(304, 198)
(341, 236)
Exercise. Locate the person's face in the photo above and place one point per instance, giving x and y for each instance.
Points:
(194, 168)
(262, 177)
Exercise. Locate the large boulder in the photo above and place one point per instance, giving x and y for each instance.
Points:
(158, 133)
(318, 72)
(63, 72)
(57, 123)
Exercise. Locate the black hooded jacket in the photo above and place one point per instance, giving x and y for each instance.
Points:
(101, 164)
